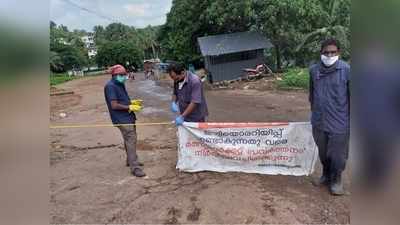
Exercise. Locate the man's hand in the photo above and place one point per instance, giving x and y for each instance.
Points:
(138, 102)
(135, 108)
(174, 107)
(179, 120)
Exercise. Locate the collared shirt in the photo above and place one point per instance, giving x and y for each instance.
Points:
(180, 85)
(114, 90)
(330, 98)
(191, 90)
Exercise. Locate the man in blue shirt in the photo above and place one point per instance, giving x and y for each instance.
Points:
(330, 118)
(122, 112)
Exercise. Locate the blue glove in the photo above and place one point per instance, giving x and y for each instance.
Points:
(174, 107)
(179, 120)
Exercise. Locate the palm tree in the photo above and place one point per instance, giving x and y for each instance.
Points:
(333, 25)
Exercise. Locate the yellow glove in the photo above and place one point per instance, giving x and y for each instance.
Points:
(135, 108)
(138, 102)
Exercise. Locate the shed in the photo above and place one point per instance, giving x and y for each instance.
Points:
(226, 55)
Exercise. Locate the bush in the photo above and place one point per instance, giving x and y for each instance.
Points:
(297, 78)
(58, 78)
(95, 73)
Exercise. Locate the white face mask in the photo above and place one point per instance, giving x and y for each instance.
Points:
(329, 61)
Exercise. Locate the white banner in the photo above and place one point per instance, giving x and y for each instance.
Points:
(266, 148)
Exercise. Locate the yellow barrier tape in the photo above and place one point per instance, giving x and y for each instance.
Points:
(107, 125)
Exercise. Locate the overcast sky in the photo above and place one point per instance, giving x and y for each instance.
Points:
(137, 13)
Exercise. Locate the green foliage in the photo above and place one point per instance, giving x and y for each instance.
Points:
(71, 57)
(116, 43)
(119, 52)
(189, 20)
(118, 32)
(296, 77)
(288, 22)
(295, 27)
(67, 50)
(146, 38)
(58, 78)
(185, 22)
(334, 21)
(99, 35)
(56, 63)
(143, 39)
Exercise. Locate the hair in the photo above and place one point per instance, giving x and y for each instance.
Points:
(330, 41)
(176, 68)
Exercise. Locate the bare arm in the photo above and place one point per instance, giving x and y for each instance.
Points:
(116, 106)
(174, 98)
(189, 109)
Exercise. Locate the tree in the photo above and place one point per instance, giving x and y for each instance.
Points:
(283, 22)
(286, 23)
(52, 25)
(185, 22)
(117, 32)
(119, 52)
(99, 35)
(147, 39)
(63, 28)
(67, 49)
(56, 63)
(79, 33)
(72, 57)
(335, 22)
(189, 20)
(226, 16)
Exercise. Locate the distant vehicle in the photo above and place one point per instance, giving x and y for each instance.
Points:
(163, 67)
(259, 71)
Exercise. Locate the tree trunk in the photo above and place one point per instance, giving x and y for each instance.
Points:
(154, 51)
(278, 58)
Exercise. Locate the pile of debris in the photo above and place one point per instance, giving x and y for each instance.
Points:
(259, 83)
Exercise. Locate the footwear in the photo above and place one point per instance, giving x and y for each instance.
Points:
(137, 172)
(323, 180)
(336, 186)
(337, 189)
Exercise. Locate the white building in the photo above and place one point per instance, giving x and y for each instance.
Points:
(88, 40)
(92, 52)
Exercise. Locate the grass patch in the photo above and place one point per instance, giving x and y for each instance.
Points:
(295, 78)
(58, 78)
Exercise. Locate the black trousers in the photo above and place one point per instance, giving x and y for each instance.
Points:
(333, 151)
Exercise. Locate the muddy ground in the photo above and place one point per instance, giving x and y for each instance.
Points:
(89, 182)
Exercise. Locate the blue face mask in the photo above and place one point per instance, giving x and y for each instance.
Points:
(121, 78)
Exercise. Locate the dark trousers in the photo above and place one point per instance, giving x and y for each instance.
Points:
(130, 138)
(333, 151)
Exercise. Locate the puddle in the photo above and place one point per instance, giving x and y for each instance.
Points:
(150, 110)
(149, 87)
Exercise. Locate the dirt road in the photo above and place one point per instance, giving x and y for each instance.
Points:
(89, 182)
